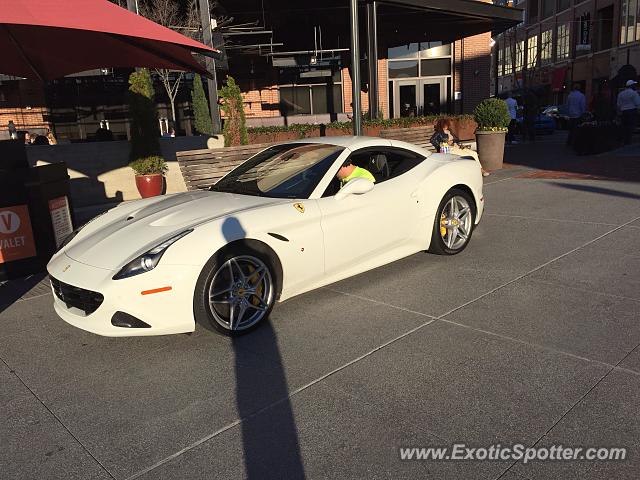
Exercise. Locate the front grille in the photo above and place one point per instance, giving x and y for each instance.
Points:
(77, 297)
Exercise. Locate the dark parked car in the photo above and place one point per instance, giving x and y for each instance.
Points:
(544, 124)
(560, 113)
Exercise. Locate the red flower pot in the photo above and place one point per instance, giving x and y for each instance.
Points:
(149, 185)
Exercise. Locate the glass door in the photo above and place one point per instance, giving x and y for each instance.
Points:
(433, 96)
(406, 93)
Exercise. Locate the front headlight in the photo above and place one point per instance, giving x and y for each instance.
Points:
(149, 260)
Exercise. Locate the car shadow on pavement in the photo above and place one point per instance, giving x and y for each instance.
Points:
(600, 190)
(559, 158)
(269, 433)
(13, 290)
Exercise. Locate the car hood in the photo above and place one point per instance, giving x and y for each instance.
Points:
(125, 232)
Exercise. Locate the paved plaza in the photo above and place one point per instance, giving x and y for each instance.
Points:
(530, 336)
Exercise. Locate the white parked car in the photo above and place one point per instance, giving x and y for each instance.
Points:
(276, 226)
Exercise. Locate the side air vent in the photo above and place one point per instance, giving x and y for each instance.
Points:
(279, 237)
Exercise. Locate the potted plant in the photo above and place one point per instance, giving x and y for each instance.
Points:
(492, 117)
(149, 175)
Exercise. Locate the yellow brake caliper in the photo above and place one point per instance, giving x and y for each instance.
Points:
(255, 299)
(443, 229)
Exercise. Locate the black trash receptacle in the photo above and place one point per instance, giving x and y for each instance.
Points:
(35, 211)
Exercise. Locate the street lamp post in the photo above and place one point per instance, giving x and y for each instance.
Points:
(355, 69)
(212, 83)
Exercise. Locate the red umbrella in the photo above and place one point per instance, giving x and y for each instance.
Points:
(48, 39)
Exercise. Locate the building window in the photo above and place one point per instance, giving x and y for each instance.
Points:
(436, 67)
(508, 59)
(403, 69)
(546, 46)
(562, 45)
(532, 51)
(604, 30)
(563, 4)
(500, 61)
(629, 21)
(520, 56)
(547, 8)
(425, 59)
(318, 97)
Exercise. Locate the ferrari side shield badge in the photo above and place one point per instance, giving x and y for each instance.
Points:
(299, 207)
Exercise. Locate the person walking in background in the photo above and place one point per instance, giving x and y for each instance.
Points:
(628, 104)
(13, 131)
(577, 106)
(512, 105)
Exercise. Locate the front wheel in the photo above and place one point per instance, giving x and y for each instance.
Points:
(235, 292)
(453, 224)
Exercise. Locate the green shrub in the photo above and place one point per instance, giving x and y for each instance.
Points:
(302, 130)
(149, 165)
(203, 123)
(492, 115)
(235, 125)
(145, 130)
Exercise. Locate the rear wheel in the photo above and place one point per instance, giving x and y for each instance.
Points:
(236, 291)
(453, 224)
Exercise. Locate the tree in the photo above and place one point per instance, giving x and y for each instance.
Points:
(203, 122)
(235, 128)
(169, 14)
(144, 118)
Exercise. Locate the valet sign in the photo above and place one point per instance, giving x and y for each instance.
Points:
(16, 237)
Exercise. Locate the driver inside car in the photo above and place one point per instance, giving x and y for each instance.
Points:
(349, 171)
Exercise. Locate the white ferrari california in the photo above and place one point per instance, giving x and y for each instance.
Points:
(294, 217)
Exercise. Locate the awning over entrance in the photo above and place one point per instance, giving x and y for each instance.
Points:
(399, 21)
(342, 25)
(47, 39)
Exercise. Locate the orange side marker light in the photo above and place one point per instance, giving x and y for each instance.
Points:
(155, 290)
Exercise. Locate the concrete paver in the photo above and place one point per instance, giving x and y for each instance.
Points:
(529, 336)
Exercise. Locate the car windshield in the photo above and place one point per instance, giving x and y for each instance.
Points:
(283, 171)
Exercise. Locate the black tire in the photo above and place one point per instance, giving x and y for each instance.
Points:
(203, 311)
(438, 245)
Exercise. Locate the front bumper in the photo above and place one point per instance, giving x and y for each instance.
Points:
(96, 298)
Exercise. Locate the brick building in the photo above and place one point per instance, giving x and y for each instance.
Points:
(421, 70)
(562, 42)
(414, 79)
(22, 102)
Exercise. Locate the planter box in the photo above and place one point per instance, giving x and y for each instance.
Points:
(464, 129)
(272, 137)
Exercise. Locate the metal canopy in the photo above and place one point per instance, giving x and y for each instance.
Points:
(399, 21)
(396, 23)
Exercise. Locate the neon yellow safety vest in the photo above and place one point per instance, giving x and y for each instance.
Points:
(358, 173)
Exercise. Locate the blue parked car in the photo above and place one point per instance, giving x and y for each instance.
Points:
(544, 124)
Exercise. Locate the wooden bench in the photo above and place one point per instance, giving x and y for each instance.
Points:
(419, 136)
(203, 168)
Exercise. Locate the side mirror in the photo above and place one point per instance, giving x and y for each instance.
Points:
(357, 186)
